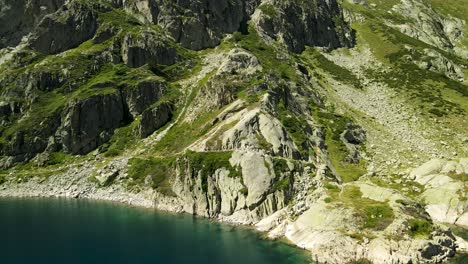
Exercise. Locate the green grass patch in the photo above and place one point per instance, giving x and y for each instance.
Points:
(374, 215)
(159, 169)
(420, 227)
(460, 231)
(57, 158)
(122, 139)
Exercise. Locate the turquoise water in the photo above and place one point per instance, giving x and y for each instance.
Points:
(79, 231)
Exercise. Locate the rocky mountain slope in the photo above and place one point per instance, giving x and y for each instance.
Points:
(340, 125)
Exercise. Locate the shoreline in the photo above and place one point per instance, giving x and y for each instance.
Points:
(137, 201)
(75, 184)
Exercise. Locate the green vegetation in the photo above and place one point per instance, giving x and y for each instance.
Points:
(123, 138)
(57, 158)
(430, 90)
(268, 10)
(374, 215)
(378, 217)
(266, 54)
(315, 59)
(460, 231)
(420, 227)
(282, 184)
(411, 186)
(2, 179)
(209, 162)
(159, 169)
(334, 126)
(295, 126)
(360, 261)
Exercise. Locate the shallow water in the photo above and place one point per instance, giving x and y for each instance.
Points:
(80, 231)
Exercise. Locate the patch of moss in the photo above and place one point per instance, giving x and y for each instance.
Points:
(282, 184)
(57, 158)
(460, 231)
(268, 10)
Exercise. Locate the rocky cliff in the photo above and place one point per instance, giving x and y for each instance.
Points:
(340, 125)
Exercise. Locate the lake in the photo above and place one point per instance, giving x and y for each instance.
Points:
(81, 231)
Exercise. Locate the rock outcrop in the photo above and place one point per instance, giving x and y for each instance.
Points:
(70, 26)
(154, 118)
(147, 47)
(314, 23)
(88, 123)
(19, 18)
(429, 26)
(445, 189)
(195, 25)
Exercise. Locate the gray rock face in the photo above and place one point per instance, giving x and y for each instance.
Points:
(89, 123)
(147, 47)
(434, 61)
(194, 24)
(247, 198)
(429, 26)
(353, 137)
(202, 24)
(73, 24)
(144, 94)
(301, 23)
(154, 118)
(19, 17)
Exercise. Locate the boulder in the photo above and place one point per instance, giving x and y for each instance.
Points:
(256, 176)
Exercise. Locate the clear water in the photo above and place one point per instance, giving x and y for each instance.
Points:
(79, 231)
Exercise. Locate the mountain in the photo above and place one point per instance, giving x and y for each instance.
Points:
(340, 125)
